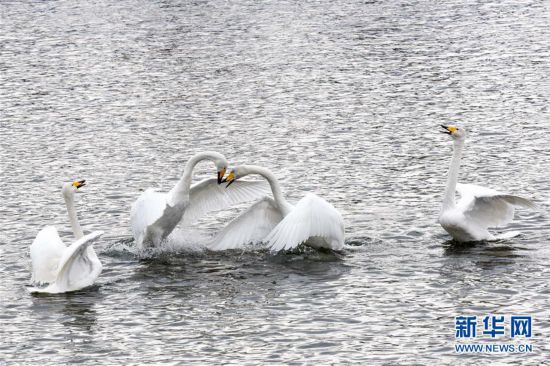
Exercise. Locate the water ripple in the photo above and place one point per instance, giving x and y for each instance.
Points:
(338, 98)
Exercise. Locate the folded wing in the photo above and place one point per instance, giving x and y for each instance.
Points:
(311, 217)
(252, 226)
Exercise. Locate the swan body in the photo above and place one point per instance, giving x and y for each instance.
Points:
(154, 215)
(479, 208)
(282, 226)
(63, 268)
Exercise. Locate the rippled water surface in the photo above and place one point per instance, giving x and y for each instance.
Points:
(341, 98)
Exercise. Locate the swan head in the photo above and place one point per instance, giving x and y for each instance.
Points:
(70, 188)
(219, 161)
(243, 170)
(457, 133)
(235, 173)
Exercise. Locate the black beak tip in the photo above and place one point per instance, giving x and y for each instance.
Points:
(228, 184)
(447, 132)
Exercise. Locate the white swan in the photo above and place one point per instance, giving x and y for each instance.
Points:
(279, 224)
(479, 208)
(154, 215)
(64, 268)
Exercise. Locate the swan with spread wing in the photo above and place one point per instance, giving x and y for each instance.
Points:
(282, 226)
(64, 268)
(154, 215)
(479, 208)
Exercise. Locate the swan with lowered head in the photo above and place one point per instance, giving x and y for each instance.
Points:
(154, 215)
(282, 226)
(479, 208)
(65, 268)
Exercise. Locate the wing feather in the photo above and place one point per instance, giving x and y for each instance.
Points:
(488, 207)
(46, 251)
(312, 217)
(77, 268)
(252, 226)
(208, 195)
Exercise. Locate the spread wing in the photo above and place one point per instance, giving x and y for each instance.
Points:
(252, 226)
(311, 217)
(488, 207)
(77, 269)
(46, 251)
(208, 195)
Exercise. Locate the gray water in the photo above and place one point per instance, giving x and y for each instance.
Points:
(340, 98)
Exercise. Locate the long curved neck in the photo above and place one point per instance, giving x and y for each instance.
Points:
(449, 198)
(180, 192)
(273, 183)
(77, 230)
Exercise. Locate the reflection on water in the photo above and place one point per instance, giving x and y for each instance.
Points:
(340, 98)
(492, 249)
(80, 315)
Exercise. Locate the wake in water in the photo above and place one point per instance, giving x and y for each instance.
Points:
(189, 242)
(179, 242)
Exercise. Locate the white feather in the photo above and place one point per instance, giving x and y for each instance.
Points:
(147, 209)
(251, 226)
(153, 219)
(64, 268)
(208, 195)
(313, 219)
(488, 207)
(479, 208)
(46, 251)
(77, 268)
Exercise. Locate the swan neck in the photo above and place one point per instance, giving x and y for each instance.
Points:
(180, 192)
(275, 187)
(449, 199)
(73, 219)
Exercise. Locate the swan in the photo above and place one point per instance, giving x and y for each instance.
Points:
(65, 268)
(154, 215)
(279, 224)
(479, 208)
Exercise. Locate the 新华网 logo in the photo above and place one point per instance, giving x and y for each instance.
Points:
(493, 327)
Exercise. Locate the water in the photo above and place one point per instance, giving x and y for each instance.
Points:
(341, 98)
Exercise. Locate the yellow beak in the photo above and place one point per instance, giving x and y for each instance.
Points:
(449, 129)
(221, 173)
(79, 183)
(230, 179)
